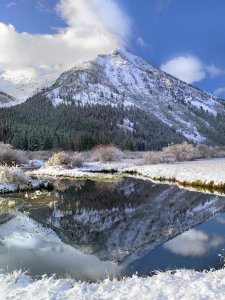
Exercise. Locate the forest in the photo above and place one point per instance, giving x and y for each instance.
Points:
(38, 125)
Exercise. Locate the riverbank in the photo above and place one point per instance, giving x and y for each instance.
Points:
(208, 173)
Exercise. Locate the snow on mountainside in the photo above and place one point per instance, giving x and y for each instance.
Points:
(20, 88)
(122, 78)
(6, 100)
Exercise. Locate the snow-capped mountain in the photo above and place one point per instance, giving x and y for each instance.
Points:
(6, 100)
(20, 88)
(122, 78)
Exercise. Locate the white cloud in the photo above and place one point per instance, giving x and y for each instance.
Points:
(93, 27)
(186, 68)
(220, 92)
(190, 69)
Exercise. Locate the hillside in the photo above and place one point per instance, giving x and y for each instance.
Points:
(116, 98)
(6, 100)
(21, 87)
(121, 78)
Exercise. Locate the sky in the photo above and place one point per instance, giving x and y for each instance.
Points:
(182, 37)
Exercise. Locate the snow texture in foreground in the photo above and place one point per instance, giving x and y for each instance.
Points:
(182, 285)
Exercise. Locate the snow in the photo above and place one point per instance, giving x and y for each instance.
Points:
(13, 179)
(57, 101)
(203, 170)
(121, 78)
(71, 173)
(23, 87)
(181, 284)
(13, 187)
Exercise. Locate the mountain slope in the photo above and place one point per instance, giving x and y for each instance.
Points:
(38, 125)
(21, 87)
(6, 100)
(121, 78)
(117, 98)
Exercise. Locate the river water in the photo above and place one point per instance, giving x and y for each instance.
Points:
(118, 228)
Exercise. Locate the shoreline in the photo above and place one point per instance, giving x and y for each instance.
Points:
(203, 175)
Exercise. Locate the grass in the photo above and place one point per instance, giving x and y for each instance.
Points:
(198, 184)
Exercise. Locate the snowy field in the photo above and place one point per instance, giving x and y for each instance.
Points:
(203, 170)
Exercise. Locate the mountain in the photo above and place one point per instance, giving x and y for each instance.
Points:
(121, 78)
(21, 87)
(6, 100)
(117, 98)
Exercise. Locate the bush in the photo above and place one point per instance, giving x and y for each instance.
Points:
(203, 151)
(152, 158)
(180, 152)
(67, 160)
(77, 160)
(10, 157)
(106, 153)
(13, 175)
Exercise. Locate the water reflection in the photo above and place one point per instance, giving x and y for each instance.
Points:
(122, 221)
(43, 257)
(193, 243)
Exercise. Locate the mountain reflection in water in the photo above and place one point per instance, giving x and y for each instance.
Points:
(121, 221)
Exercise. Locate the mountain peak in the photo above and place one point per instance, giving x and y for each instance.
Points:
(121, 78)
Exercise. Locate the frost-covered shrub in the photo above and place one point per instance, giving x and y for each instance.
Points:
(106, 153)
(179, 152)
(77, 160)
(9, 156)
(13, 175)
(204, 151)
(172, 153)
(219, 152)
(66, 160)
(152, 158)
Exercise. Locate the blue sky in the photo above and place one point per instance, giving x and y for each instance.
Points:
(183, 37)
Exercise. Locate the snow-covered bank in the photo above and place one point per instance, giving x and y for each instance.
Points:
(90, 171)
(209, 172)
(13, 179)
(202, 171)
(13, 187)
(181, 285)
